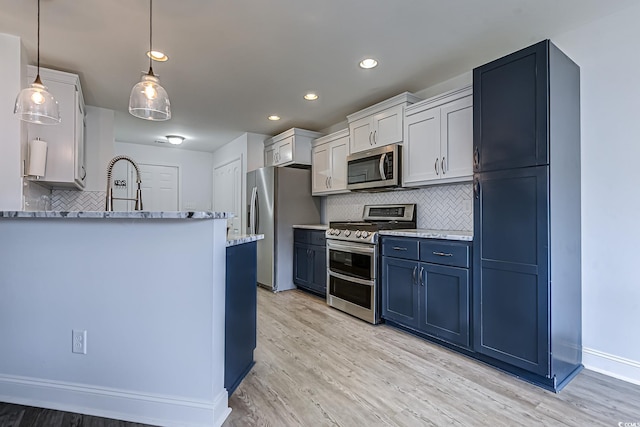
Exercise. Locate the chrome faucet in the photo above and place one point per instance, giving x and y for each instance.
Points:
(110, 198)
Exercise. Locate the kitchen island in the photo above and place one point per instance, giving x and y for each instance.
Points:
(149, 290)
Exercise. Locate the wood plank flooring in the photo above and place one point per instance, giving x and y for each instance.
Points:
(316, 366)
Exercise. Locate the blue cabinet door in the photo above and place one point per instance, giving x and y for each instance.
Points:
(444, 301)
(301, 264)
(510, 263)
(400, 291)
(319, 277)
(510, 110)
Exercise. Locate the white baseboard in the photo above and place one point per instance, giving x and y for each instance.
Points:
(611, 365)
(113, 403)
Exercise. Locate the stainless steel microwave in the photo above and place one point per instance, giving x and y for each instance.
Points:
(376, 168)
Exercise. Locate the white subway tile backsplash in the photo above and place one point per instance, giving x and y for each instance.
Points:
(442, 207)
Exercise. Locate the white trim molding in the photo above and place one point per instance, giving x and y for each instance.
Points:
(611, 365)
(114, 403)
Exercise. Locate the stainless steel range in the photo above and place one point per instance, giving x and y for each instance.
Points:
(352, 258)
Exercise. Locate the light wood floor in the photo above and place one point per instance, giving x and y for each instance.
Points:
(316, 366)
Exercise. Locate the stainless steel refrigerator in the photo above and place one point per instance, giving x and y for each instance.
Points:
(277, 199)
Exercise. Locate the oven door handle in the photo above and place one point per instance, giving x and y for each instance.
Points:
(367, 250)
(351, 279)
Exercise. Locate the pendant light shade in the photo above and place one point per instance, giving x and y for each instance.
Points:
(148, 99)
(35, 104)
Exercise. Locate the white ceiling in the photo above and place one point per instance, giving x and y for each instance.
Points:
(233, 63)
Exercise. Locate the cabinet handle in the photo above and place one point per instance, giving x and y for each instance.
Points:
(399, 248)
(330, 181)
(84, 175)
(375, 140)
(415, 271)
(441, 254)
(326, 182)
(476, 158)
(476, 188)
(422, 276)
(442, 166)
(435, 166)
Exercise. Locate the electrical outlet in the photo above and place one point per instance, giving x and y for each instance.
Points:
(79, 341)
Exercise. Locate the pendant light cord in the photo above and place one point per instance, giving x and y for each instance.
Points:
(38, 38)
(150, 36)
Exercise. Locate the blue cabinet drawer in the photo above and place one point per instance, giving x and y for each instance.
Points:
(400, 248)
(317, 238)
(300, 235)
(445, 253)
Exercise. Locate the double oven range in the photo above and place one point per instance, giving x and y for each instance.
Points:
(353, 276)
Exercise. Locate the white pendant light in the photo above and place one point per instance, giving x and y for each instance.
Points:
(35, 104)
(148, 99)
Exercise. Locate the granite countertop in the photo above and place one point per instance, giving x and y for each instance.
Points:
(125, 215)
(313, 226)
(466, 236)
(238, 239)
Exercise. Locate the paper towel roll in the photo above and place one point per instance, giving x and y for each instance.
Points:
(37, 157)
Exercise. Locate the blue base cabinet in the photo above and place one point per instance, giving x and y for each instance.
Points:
(310, 261)
(240, 313)
(425, 287)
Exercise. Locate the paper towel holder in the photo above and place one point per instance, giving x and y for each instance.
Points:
(40, 166)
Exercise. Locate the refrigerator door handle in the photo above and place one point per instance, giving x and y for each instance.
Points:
(257, 213)
(252, 211)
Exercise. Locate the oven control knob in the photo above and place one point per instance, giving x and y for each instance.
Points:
(358, 233)
(347, 233)
(330, 232)
(365, 234)
(337, 232)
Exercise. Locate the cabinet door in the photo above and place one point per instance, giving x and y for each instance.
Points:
(60, 167)
(285, 151)
(422, 147)
(270, 155)
(319, 276)
(456, 148)
(511, 294)
(361, 135)
(387, 126)
(80, 168)
(338, 159)
(445, 303)
(510, 106)
(320, 169)
(400, 291)
(301, 265)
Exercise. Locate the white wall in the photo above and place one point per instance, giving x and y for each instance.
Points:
(607, 53)
(196, 170)
(11, 143)
(99, 145)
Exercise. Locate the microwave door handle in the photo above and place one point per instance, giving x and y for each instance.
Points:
(381, 166)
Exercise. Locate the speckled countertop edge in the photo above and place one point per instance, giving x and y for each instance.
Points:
(239, 239)
(121, 215)
(466, 236)
(312, 226)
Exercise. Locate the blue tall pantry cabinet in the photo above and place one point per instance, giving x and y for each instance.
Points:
(526, 247)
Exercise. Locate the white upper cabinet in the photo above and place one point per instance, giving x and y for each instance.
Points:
(290, 147)
(65, 166)
(329, 166)
(379, 125)
(438, 146)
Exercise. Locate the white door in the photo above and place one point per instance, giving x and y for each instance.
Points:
(227, 192)
(159, 187)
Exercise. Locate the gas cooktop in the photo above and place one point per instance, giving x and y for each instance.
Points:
(376, 217)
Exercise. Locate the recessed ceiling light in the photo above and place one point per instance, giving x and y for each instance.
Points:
(311, 96)
(175, 139)
(156, 55)
(274, 117)
(368, 63)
